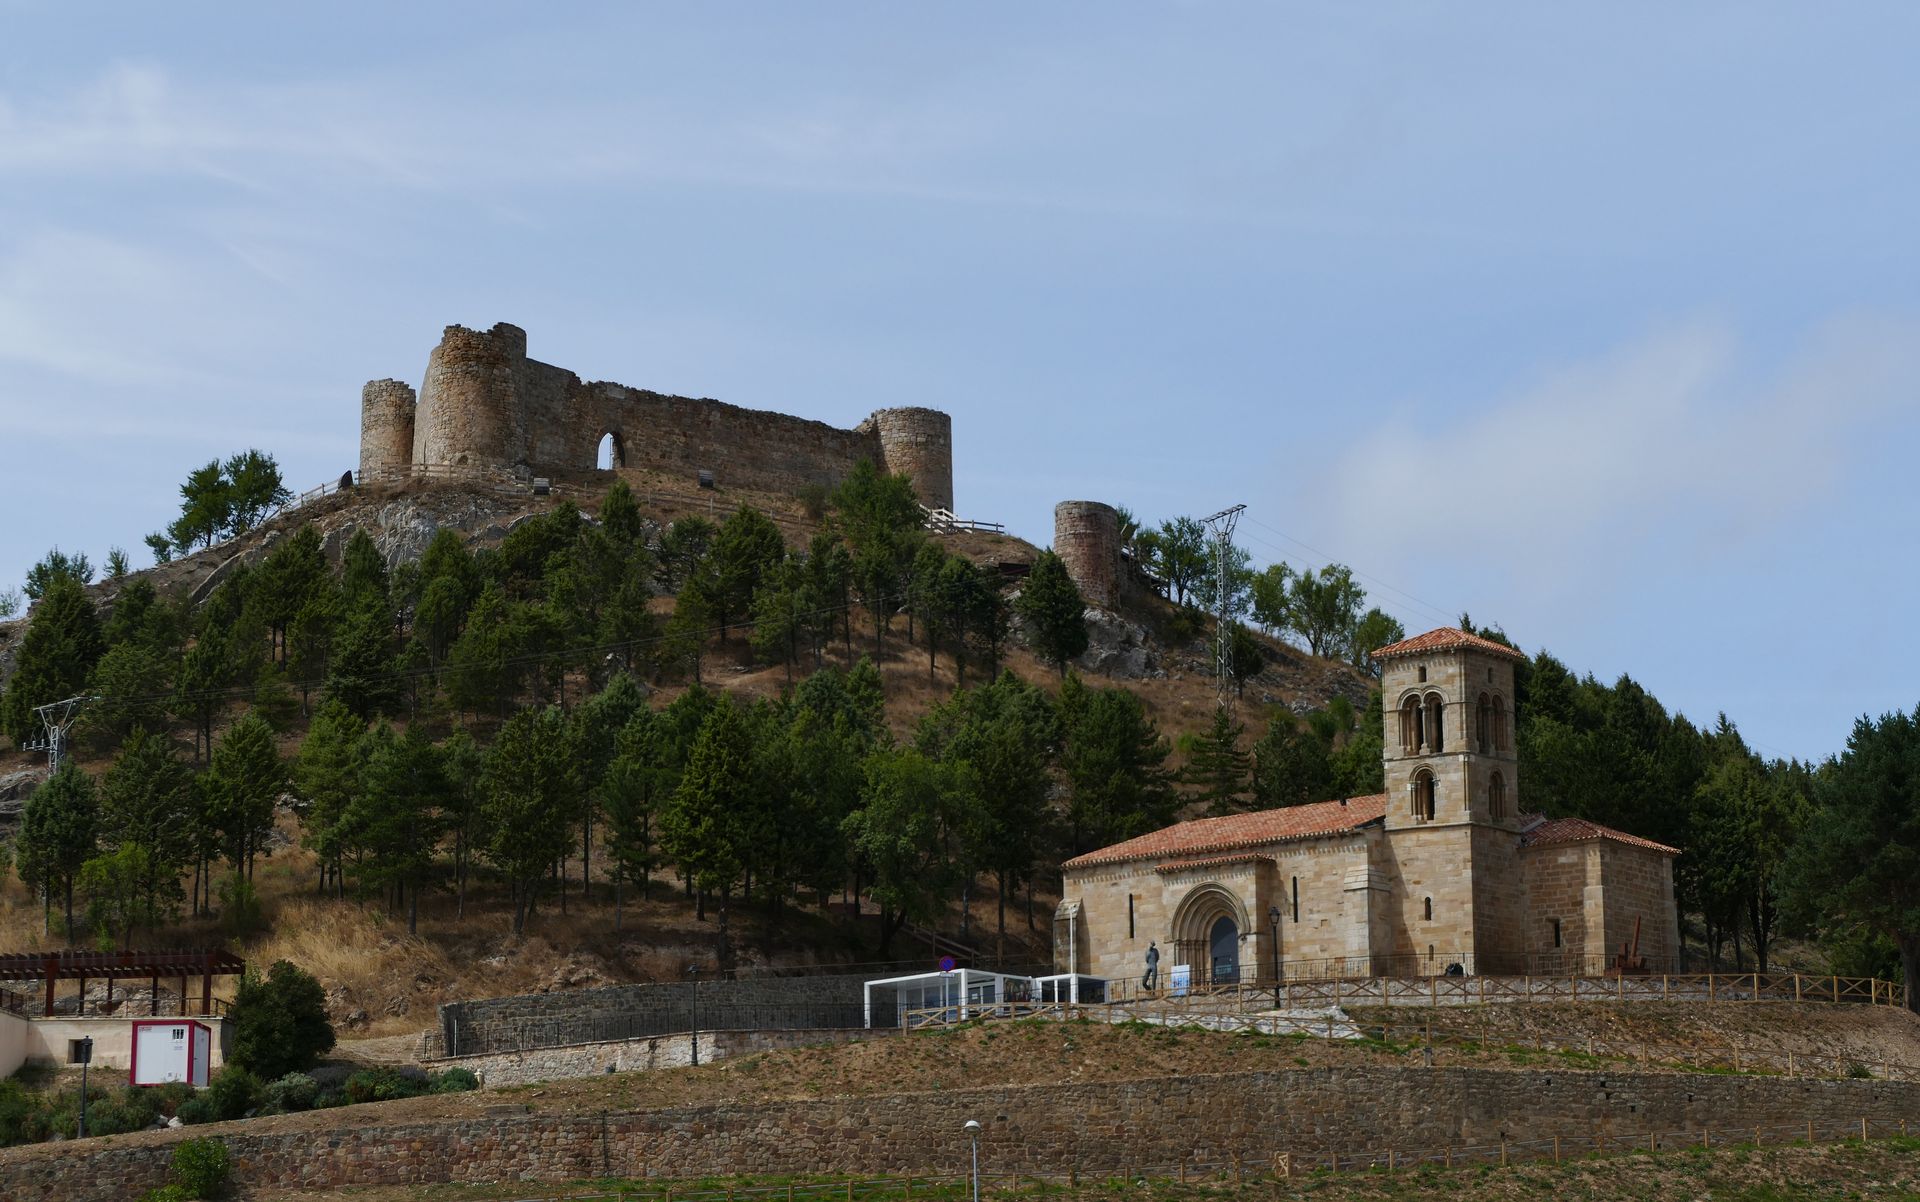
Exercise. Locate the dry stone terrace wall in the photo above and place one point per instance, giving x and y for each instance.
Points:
(499, 1069)
(1039, 1128)
(621, 1012)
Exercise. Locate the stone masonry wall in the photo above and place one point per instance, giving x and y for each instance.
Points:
(386, 426)
(1038, 1128)
(498, 1069)
(484, 404)
(1086, 537)
(637, 1011)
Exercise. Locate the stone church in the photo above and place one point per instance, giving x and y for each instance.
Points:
(1441, 870)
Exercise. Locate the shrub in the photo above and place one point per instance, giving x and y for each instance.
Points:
(196, 1110)
(454, 1080)
(232, 1093)
(167, 1193)
(1858, 1071)
(23, 1114)
(240, 910)
(170, 1097)
(383, 1085)
(279, 1022)
(295, 1091)
(201, 1167)
(813, 497)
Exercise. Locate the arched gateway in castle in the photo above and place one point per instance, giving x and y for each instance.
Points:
(484, 406)
(1442, 869)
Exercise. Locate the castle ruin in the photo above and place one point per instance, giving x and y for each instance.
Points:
(484, 406)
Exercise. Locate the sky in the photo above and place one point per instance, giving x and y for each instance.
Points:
(1601, 325)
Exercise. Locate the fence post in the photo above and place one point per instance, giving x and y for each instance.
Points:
(1809, 1130)
(1796, 987)
(1392, 1160)
(1836, 989)
(1706, 1138)
(1556, 1149)
(1790, 1064)
(1503, 1151)
(1863, 1129)
(1710, 982)
(1653, 1142)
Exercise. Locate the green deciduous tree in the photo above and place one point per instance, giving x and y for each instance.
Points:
(1324, 609)
(1181, 557)
(279, 1022)
(206, 508)
(910, 829)
(254, 489)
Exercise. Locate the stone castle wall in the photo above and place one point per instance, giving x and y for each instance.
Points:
(484, 404)
(1049, 1128)
(499, 1069)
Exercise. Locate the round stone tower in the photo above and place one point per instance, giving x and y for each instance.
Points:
(1086, 537)
(469, 412)
(918, 443)
(386, 427)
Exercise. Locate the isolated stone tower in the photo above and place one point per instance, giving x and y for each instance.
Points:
(1086, 537)
(386, 426)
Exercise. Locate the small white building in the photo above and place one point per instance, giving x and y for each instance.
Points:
(170, 1049)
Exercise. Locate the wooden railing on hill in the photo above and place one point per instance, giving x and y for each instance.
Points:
(1206, 1167)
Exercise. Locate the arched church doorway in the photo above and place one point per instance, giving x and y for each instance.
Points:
(611, 454)
(1223, 947)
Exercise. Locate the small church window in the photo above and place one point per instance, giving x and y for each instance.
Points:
(1129, 915)
(1556, 931)
(1429, 909)
(1436, 736)
(1426, 795)
(1483, 726)
(1423, 673)
(1497, 797)
(1296, 899)
(1412, 728)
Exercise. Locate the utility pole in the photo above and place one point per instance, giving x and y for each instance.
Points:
(57, 717)
(1221, 525)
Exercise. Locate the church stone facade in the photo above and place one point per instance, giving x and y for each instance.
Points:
(1443, 869)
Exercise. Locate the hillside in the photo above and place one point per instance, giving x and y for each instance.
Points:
(383, 981)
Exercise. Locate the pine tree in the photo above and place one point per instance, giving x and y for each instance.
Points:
(61, 646)
(1055, 613)
(397, 817)
(1291, 764)
(242, 786)
(1217, 770)
(148, 800)
(707, 826)
(59, 832)
(326, 775)
(528, 790)
(1114, 761)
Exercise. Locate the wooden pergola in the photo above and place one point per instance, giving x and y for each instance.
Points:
(149, 966)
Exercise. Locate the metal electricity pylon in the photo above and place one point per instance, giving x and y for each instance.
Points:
(57, 717)
(1221, 525)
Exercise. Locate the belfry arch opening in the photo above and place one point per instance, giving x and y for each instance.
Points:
(612, 453)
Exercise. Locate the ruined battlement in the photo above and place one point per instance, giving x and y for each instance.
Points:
(484, 404)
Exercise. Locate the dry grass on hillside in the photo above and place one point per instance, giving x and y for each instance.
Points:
(1868, 1033)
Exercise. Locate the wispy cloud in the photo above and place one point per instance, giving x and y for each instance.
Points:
(1677, 438)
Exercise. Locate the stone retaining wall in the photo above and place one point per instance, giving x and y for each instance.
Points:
(622, 1012)
(498, 1069)
(1036, 1128)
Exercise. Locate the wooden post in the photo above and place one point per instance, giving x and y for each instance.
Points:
(1556, 1149)
(1796, 987)
(1710, 987)
(1706, 1139)
(1863, 1129)
(849, 1189)
(1809, 1130)
(1666, 986)
(1392, 1160)
(1449, 1158)
(1836, 989)
(1503, 1151)
(1790, 1062)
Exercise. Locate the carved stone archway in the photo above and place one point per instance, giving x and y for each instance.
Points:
(1197, 925)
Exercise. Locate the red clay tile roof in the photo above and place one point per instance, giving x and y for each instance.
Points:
(1539, 831)
(1447, 638)
(1238, 832)
(1232, 857)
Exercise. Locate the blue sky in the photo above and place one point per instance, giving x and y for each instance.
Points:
(1603, 326)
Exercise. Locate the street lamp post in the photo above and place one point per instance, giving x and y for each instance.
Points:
(973, 1131)
(693, 972)
(86, 1058)
(1273, 920)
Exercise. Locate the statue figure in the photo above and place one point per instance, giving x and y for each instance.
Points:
(1151, 979)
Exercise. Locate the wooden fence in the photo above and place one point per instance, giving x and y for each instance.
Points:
(1278, 1168)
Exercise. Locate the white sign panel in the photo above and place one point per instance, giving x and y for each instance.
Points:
(1180, 979)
